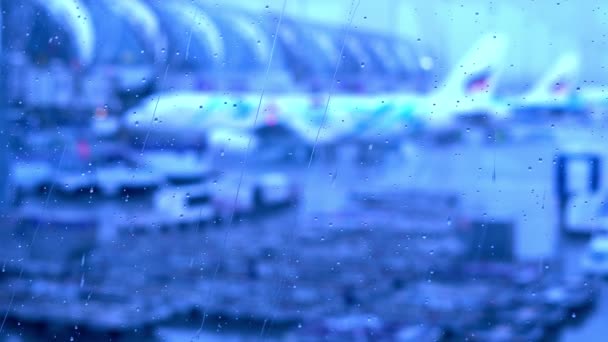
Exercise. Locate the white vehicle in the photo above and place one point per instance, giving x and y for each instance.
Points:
(75, 181)
(65, 229)
(104, 126)
(119, 179)
(178, 168)
(274, 189)
(31, 214)
(31, 177)
(595, 259)
(230, 142)
(226, 201)
(188, 205)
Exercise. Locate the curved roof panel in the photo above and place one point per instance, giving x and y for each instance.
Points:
(195, 40)
(303, 52)
(287, 43)
(356, 56)
(144, 22)
(74, 17)
(381, 52)
(409, 55)
(240, 41)
(325, 53)
(117, 42)
(255, 35)
(48, 30)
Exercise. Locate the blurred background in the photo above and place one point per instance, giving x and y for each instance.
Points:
(282, 170)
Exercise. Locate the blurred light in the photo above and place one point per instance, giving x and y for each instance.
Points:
(101, 113)
(271, 118)
(426, 63)
(84, 150)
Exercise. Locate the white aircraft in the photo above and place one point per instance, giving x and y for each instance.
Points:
(468, 91)
(554, 93)
(594, 99)
(187, 118)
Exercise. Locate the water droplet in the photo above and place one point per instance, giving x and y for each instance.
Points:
(362, 65)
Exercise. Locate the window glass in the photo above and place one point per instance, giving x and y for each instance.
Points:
(303, 170)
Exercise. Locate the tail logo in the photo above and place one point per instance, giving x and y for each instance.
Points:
(479, 82)
(560, 87)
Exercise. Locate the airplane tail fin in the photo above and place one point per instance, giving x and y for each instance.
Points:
(478, 70)
(560, 79)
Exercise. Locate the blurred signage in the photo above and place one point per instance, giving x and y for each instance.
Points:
(576, 174)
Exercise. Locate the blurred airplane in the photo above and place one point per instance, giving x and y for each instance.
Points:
(468, 96)
(467, 93)
(595, 98)
(468, 90)
(555, 93)
(188, 117)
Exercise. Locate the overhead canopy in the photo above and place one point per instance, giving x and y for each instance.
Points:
(325, 48)
(74, 16)
(195, 40)
(117, 42)
(128, 32)
(381, 52)
(247, 42)
(409, 59)
(357, 57)
(194, 35)
(54, 29)
(288, 37)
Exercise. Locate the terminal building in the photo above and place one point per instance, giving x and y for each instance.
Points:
(107, 54)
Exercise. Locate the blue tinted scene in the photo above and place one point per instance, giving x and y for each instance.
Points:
(303, 170)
